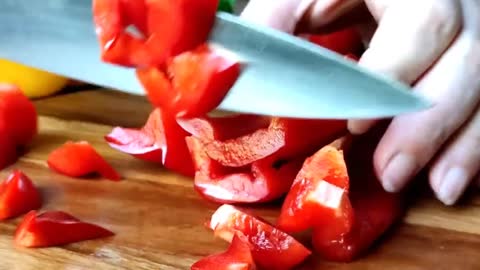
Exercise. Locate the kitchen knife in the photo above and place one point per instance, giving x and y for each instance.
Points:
(283, 75)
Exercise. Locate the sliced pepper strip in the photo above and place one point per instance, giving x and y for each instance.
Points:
(194, 84)
(271, 248)
(262, 181)
(375, 210)
(78, 159)
(161, 140)
(55, 228)
(18, 195)
(237, 257)
(319, 196)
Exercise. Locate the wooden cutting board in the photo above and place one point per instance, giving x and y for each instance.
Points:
(158, 217)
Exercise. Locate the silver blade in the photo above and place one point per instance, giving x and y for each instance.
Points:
(284, 76)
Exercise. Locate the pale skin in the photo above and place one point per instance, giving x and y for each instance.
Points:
(432, 45)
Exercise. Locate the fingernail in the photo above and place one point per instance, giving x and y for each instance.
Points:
(398, 171)
(453, 185)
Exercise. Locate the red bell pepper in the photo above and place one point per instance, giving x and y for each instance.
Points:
(77, 159)
(8, 149)
(18, 116)
(166, 28)
(237, 257)
(271, 248)
(55, 228)
(319, 196)
(161, 140)
(344, 41)
(286, 138)
(18, 195)
(375, 210)
(223, 128)
(262, 181)
(194, 84)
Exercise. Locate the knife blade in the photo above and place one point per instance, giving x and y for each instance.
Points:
(283, 75)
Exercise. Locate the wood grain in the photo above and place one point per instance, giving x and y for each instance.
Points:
(158, 217)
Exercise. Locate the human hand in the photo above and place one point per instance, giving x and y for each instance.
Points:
(433, 45)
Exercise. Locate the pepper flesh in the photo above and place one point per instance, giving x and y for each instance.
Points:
(271, 248)
(55, 228)
(318, 197)
(78, 159)
(237, 257)
(261, 181)
(18, 195)
(161, 140)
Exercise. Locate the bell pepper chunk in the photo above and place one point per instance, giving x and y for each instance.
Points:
(319, 196)
(55, 228)
(18, 116)
(285, 138)
(165, 29)
(262, 181)
(223, 128)
(194, 84)
(18, 195)
(271, 248)
(161, 140)
(375, 210)
(343, 41)
(237, 257)
(78, 159)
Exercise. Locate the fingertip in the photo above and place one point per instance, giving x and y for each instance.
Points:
(358, 127)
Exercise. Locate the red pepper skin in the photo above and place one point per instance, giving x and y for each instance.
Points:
(259, 182)
(166, 28)
(18, 116)
(285, 138)
(194, 84)
(375, 210)
(8, 149)
(55, 228)
(319, 196)
(161, 140)
(271, 248)
(78, 159)
(237, 257)
(18, 195)
(344, 41)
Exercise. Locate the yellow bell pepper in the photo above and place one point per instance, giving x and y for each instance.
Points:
(33, 82)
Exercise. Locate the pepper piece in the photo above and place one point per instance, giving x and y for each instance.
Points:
(286, 138)
(375, 210)
(161, 140)
(165, 29)
(55, 228)
(237, 257)
(18, 195)
(261, 181)
(271, 248)
(194, 84)
(18, 116)
(343, 41)
(319, 196)
(77, 159)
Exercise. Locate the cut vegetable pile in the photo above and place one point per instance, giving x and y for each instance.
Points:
(323, 178)
(243, 159)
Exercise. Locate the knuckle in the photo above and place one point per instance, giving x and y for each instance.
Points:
(445, 16)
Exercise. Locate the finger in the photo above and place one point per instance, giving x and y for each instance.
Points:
(453, 85)
(411, 35)
(282, 15)
(458, 164)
